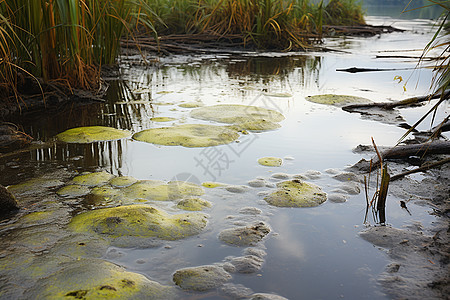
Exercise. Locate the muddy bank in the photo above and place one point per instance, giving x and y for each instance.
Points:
(419, 255)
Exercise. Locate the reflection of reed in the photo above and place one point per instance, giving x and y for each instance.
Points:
(127, 109)
(305, 69)
(107, 155)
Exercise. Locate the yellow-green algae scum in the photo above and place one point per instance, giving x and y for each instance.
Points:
(138, 221)
(97, 279)
(270, 161)
(296, 193)
(188, 135)
(243, 117)
(337, 100)
(90, 134)
(103, 186)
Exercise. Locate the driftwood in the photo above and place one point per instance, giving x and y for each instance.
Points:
(404, 151)
(210, 42)
(12, 138)
(360, 30)
(360, 70)
(391, 105)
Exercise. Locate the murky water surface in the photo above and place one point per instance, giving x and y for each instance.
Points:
(312, 253)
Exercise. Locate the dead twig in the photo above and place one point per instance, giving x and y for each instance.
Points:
(421, 169)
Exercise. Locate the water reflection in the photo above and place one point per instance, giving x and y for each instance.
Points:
(404, 9)
(107, 154)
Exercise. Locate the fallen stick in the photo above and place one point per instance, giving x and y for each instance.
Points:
(391, 105)
(433, 147)
(421, 169)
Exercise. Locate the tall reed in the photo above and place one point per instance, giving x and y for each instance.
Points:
(70, 39)
(280, 24)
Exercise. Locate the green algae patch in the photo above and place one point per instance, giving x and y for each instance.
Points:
(296, 193)
(73, 191)
(160, 191)
(104, 194)
(90, 134)
(202, 278)
(210, 184)
(235, 114)
(97, 279)
(188, 135)
(122, 181)
(179, 189)
(193, 204)
(256, 125)
(278, 95)
(191, 104)
(138, 221)
(270, 161)
(162, 119)
(246, 235)
(337, 100)
(93, 179)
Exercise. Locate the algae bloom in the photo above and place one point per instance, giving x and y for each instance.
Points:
(337, 100)
(270, 161)
(296, 193)
(162, 119)
(193, 204)
(90, 134)
(188, 135)
(138, 221)
(237, 114)
(93, 179)
(160, 191)
(97, 279)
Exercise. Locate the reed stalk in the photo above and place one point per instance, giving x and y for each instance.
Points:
(69, 39)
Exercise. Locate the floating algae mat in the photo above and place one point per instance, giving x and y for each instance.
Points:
(141, 221)
(193, 204)
(296, 193)
(270, 161)
(160, 191)
(188, 135)
(93, 179)
(97, 279)
(105, 187)
(337, 100)
(90, 134)
(236, 114)
(162, 119)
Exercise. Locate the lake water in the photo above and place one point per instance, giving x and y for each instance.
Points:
(312, 253)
